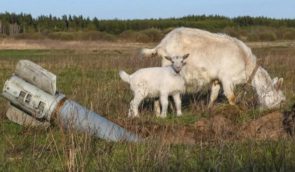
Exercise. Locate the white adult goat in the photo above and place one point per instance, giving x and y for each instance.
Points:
(157, 82)
(216, 58)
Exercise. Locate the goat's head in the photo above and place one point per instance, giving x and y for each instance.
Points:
(274, 96)
(177, 62)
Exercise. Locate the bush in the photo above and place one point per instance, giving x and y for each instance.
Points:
(148, 35)
(66, 36)
(267, 36)
(154, 35)
(134, 36)
(34, 36)
(288, 34)
(231, 31)
(95, 35)
(128, 35)
(261, 34)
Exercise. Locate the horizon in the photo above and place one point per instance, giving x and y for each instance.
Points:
(153, 9)
(85, 17)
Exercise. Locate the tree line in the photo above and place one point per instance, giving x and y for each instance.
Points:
(11, 23)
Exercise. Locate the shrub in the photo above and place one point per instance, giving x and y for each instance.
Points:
(288, 34)
(231, 31)
(128, 35)
(261, 34)
(148, 35)
(66, 36)
(267, 36)
(154, 35)
(95, 35)
(34, 36)
(134, 36)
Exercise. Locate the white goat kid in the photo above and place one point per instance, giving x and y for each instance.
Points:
(157, 82)
(216, 58)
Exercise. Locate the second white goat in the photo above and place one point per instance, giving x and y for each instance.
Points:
(157, 82)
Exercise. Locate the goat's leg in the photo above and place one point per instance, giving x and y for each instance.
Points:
(214, 92)
(228, 88)
(157, 107)
(133, 110)
(164, 104)
(177, 101)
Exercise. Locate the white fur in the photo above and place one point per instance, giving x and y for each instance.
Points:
(156, 82)
(217, 57)
(270, 95)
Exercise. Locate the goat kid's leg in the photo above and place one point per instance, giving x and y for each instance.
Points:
(164, 104)
(228, 88)
(133, 110)
(214, 92)
(177, 101)
(157, 107)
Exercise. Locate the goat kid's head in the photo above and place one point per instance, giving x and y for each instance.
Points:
(177, 62)
(275, 96)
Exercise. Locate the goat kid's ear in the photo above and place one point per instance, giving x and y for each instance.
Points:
(278, 83)
(168, 58)
(185, 56)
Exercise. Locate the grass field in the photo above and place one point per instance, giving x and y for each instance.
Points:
(90, 77)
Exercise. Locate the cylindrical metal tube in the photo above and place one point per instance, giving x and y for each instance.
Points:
(30, 98)
(72, 115)
(39, 104)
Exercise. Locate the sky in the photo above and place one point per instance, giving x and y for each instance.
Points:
(141, 9)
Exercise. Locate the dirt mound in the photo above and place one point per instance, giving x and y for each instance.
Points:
(269, 126)
(166, 133)
(214, 129)
(218, 127)
(228, 111)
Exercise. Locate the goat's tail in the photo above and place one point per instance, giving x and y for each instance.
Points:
(124, 76)
(145, 52)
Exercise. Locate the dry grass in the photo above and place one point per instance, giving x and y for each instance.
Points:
(88, 73)
(23, 44)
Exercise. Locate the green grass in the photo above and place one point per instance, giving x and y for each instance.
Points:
(91, 78)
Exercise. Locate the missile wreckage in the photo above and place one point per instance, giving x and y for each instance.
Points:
(35, 101)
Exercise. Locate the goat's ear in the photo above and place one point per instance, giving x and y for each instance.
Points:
(274, 81)
(278, 83)
(168, 58)
(185, 56)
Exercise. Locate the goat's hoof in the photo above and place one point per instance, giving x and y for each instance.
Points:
(133, 116)
(158, 114)
(210, 106)
(162, 116)
(233, 104)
